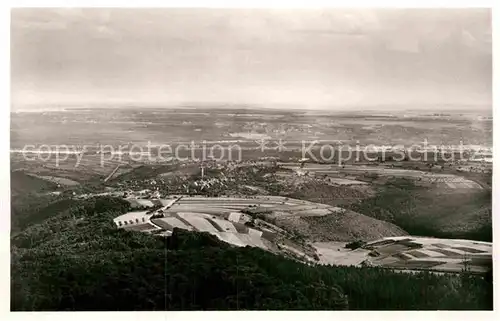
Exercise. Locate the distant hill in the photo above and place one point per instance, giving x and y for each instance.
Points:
(429, 212)
(22, 183)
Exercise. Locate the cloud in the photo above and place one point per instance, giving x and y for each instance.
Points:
(311, 55)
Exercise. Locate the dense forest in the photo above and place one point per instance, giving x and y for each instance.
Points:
(76, 259)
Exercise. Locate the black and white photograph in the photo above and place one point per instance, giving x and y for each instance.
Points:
(250, 159)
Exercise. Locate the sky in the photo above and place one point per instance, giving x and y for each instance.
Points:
(330, 58)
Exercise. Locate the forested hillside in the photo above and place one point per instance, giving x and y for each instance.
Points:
(78, 260)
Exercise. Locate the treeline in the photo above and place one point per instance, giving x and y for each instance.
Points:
(79, 260)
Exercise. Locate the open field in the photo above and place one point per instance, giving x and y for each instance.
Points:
(430, 211)
(81, 168)
(421, 202)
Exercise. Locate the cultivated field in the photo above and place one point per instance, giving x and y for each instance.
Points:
(412, 253)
